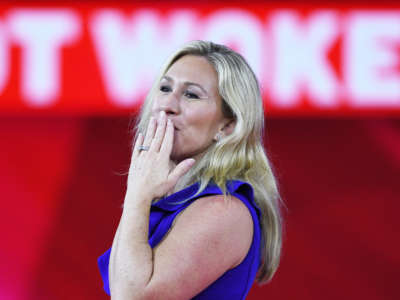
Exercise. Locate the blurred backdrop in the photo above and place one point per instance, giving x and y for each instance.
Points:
(72, 78)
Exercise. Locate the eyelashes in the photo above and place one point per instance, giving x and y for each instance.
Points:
(187, 94)
(191, 95)
(165, 89)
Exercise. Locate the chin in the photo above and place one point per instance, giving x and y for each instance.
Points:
(176, 158)
(176, 155)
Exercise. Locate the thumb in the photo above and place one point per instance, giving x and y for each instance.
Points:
(181, 169)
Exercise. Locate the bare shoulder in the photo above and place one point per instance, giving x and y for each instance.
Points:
(211, 236)
(227, 210)
(223, 220)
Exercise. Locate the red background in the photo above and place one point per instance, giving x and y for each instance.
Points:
(61, 189)
(339, 179)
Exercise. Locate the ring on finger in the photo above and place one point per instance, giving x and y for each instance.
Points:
(144, 148)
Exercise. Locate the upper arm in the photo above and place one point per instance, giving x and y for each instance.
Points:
(210, 237)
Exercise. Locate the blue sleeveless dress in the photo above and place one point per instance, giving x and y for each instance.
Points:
(234, 284)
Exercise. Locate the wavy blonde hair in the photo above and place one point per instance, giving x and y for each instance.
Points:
(239, 155)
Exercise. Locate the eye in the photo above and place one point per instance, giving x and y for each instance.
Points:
(165, 88)
(191, 95)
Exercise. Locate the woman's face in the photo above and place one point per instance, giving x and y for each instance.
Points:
(188, 93)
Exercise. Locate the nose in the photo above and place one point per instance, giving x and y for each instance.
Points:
(169, 104)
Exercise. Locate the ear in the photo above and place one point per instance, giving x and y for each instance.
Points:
(226, 129)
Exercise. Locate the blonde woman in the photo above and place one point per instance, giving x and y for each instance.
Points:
(201, 215)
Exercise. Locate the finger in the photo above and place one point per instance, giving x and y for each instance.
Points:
(180, 170)
(168, 138)
(160, 131)
(150, 132)
(138, 143)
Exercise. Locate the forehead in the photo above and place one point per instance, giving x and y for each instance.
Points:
(196, 69)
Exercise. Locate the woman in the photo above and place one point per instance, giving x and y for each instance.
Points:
(201, 211)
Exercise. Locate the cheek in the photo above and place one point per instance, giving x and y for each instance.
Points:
(202, 118)
(197, 129)
(194, 131)
(155, 108)
(199, 133)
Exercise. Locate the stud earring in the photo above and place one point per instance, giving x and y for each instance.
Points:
(218, 137)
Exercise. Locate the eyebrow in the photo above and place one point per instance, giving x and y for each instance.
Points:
(166, 77)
